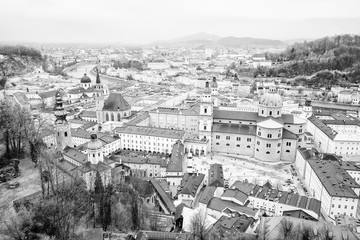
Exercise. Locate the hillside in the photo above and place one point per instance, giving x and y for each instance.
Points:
(338, 56)
(211, 40)
(237, 42)
(18, 60)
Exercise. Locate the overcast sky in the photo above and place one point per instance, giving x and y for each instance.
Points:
(142, 21)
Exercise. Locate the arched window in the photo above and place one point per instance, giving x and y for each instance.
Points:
(270, 113)
(205, 110)
(287, 151)
(124, 114)
(278, 112)
(107, 116)
(217, 143)
(227, 145)
(238, 145)
(113, 117)
(118, 117)
(248, 146)
(267, 152)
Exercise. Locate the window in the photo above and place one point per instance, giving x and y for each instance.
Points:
(268, 145)
(267, 152)
(352, 207)
(257, 149)
(238, 138)
(227, 145)
(227, 137)
(204, 127)
(300, 130)
(238, 145)
(248, 146)
(288, 144)
(278, 151)
(279, 135)
(278, 112)
(262, 111)
(339, 206)
(94, 155)
(279, 144)
(345, 207)
(205, 110)
(259, 133)
(270, 113)
(217, 143)
(217, 136)
(258, 143)
(248, 139)
(65, 134)
(299, 140)
(269, 135)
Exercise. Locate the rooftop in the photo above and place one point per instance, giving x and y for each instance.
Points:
(216, 175)
(207, 194)
(220, 205)
(151, 131)
(190, 185)
(116, 102)
(234, 128)
(177, 156)
(335, 179)
(236, 194)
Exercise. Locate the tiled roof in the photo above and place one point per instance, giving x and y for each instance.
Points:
(143, 160)
(288, 135)
(151, 131)
(286, 198)
(234, 128)
(80, 133)
(163, 195)
(88, 114)
(233, 224)
(245, 187)
(191, 185)
(75, 155)
(216, 175)
(220, 205)
(236, 194)
(138, 119)
(207, 194)
(116, 102)
(177, 156)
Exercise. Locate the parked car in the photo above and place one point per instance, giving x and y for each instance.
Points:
(13, 185)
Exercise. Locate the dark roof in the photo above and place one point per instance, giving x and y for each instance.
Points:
(179, 210)
(245, 187)
(116, 102)
(236, 194)
(234, 128)
(190, 185)
(88, 114)
(85, 79)
(235, 115)
(323, 127)
(232, 225)
(151, 131)
(177, 156)
(216, 175)
(163, 195)
(220, 205)
(288, 135)
(286, 198)
(75, 155)
(299, 213)
(207, 194)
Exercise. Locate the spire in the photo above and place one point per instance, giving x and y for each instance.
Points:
(97, 76)
(60, 112)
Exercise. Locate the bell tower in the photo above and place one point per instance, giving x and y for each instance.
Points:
(206, 116)
(63, 132)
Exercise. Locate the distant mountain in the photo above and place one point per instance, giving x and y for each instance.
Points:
(238, 42)
(197, 37)
(202, 39)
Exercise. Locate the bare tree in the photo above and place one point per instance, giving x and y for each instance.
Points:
(198, 226)
(287, 230)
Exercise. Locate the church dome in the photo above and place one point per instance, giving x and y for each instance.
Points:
(95, 143)
(85, 79)
(271, 99)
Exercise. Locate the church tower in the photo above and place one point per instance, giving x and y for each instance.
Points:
(63, 132)
(99, 98)
(307, 109)
(95, 150)
(206, 116)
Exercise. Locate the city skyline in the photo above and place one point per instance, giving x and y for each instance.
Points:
(142, 22)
